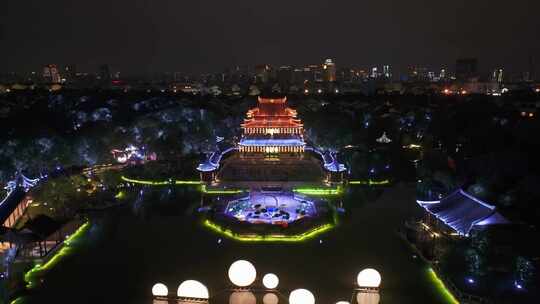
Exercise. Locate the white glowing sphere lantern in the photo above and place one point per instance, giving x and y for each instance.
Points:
(301, 296)
(242, 273)
(193, 289)
(369, 278)
(270, 281)
(160, 290)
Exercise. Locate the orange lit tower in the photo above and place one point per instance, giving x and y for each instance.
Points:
(272, 128)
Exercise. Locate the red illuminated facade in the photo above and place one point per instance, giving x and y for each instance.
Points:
(272, 127)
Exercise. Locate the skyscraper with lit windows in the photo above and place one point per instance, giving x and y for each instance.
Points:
(329, 68)
(51, 74)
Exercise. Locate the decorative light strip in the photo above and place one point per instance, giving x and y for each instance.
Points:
(160, 183)
(319, 191)
(220, 191)
(439, 284)
(421, 203)
(32, 276)
(20, 300)
(370, 182)
(268, 238)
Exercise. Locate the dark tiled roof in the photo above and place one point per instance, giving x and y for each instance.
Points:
(462, 211)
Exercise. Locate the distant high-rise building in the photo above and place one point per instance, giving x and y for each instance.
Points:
(361, 74)
(104, 74)
(532, 76)
(51, 74)
(417, 73)
(329, 68)
(497, 75)
(262, 73)
(387, 72)
(374, 72)
(317, 72)
(466, 69)
(284, 76)
(307, 74)
(297, 76)
(431, 77)
(70, 72)
(178, 77)
(442, 74)
(345, 75)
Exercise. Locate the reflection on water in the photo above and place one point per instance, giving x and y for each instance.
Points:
(242, 297)
(163, 241)
(368, 298)
(270, 298)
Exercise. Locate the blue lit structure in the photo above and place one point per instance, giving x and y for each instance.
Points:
(462, 212)
(13, 205)
(329, 159)
(213, 160)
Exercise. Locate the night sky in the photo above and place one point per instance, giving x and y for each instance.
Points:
(136, 36)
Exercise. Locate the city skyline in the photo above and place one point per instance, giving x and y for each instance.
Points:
(243, 152)
(137, 37)
(464, 69)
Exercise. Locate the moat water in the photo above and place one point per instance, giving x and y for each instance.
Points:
(161, 239)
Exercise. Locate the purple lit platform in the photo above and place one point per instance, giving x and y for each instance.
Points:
(271, 208)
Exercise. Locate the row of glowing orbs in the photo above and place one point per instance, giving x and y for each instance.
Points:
(242, 274)
(188, 289)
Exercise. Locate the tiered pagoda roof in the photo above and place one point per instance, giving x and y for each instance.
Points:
(272, 113)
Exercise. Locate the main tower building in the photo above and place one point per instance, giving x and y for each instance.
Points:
(272, 128)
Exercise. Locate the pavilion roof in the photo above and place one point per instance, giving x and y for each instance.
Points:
(272, 111)
(272, 123)
(462, 211)
(10, 203)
